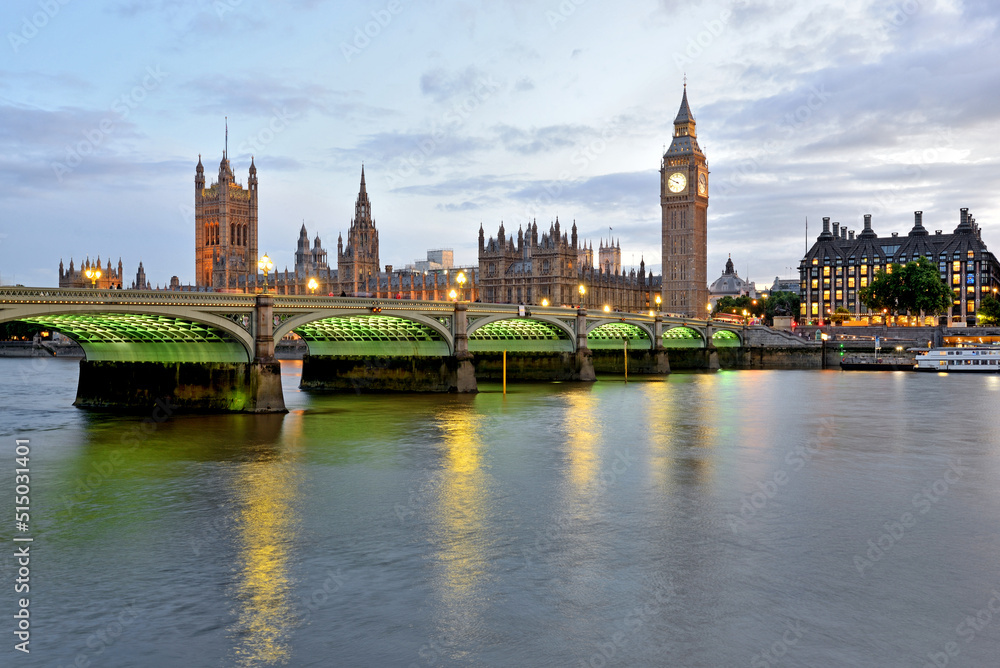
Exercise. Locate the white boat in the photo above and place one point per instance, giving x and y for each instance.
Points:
(976, 359)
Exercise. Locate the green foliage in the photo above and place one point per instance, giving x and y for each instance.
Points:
(781, 302)
(777, 303)
(15, 330)
(840, 315)
(915, 288)
(736, 306)
(989, 311)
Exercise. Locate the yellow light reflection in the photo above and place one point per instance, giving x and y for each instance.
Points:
(264, 607)
(461, 534)
(583, 430)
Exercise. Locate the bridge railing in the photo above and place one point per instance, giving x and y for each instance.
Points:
(20, 295)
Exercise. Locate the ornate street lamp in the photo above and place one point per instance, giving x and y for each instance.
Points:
(461, 283)
(313, 285)
(265, 265)
(583, 291)
(607, 309)
(453, 295)
(545, 302)
(93, 273)
(659, 300)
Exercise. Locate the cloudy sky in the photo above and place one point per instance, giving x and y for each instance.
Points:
(476, 111)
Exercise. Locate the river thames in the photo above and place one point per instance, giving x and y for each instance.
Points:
(737, 518)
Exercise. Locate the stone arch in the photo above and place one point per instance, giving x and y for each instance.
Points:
(145, 333)
(726, 338)
(683, 336)
(529, 334)
(608, 335)
(362, 332)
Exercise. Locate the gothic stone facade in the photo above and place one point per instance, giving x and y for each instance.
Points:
(553, 266)
(684, 203)
(225, 229)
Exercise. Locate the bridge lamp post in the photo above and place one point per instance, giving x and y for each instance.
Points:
(461, 283)
(453, 295)
(545, 302)
(659, 300)
(607, 309)
(265, 265)
(93, 274)
(313, 285)
(583, 291)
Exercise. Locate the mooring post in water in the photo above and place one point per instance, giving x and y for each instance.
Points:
(626, 360)
(505, 373)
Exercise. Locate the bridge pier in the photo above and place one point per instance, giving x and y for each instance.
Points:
(211, 387)
(465, 374)
(584, 358)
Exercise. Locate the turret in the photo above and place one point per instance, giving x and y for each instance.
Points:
(482, 238)
(573, 238)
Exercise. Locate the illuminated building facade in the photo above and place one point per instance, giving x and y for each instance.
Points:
(839, 264)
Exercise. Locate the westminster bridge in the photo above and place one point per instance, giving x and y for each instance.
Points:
(215, 351)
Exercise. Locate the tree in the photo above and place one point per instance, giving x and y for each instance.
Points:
(924, 291)
(989, 310)
(736, 306)
(915, 288)
(840, 315)
(781, 302)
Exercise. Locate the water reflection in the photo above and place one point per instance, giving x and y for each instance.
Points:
(461, 534)
(266, 490)
(583, 431)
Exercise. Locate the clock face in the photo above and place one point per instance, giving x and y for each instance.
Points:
(676, 182)
(702, 184)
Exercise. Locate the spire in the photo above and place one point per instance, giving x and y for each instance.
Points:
(684, 141)
(225, 151)
(684, 114)
(363, 190)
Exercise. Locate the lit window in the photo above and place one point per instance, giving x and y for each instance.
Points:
(815, 260)
(970, 307)
(984, 288)
(826, 271)
(970, 279)
(888, 268)
(840, 271)
(840, 295)
(971, 254)
(815, 284)
(864, 270)
(956, 266)
(850, 281)
(826, 281)
(956, 279)
(970, 290)
(840, 282)
(826, 295)
(864, 281)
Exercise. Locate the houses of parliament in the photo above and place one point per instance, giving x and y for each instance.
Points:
(538, 267)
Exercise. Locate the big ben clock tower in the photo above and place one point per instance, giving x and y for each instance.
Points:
(684, 200)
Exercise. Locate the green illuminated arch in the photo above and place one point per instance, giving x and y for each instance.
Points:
(519, 334)
(612, 335)
(682, 337)
(135, 337)
(372, 335)
(724, 338)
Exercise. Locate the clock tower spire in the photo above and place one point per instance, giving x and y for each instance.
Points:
(684, 204)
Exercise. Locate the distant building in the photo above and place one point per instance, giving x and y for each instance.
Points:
(784, 285)
(110, 278)
(839, 264)
(547, 268)
(437, 260)
(729, 284)
(225, 229)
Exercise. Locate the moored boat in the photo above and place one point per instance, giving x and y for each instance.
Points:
(975, 359)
